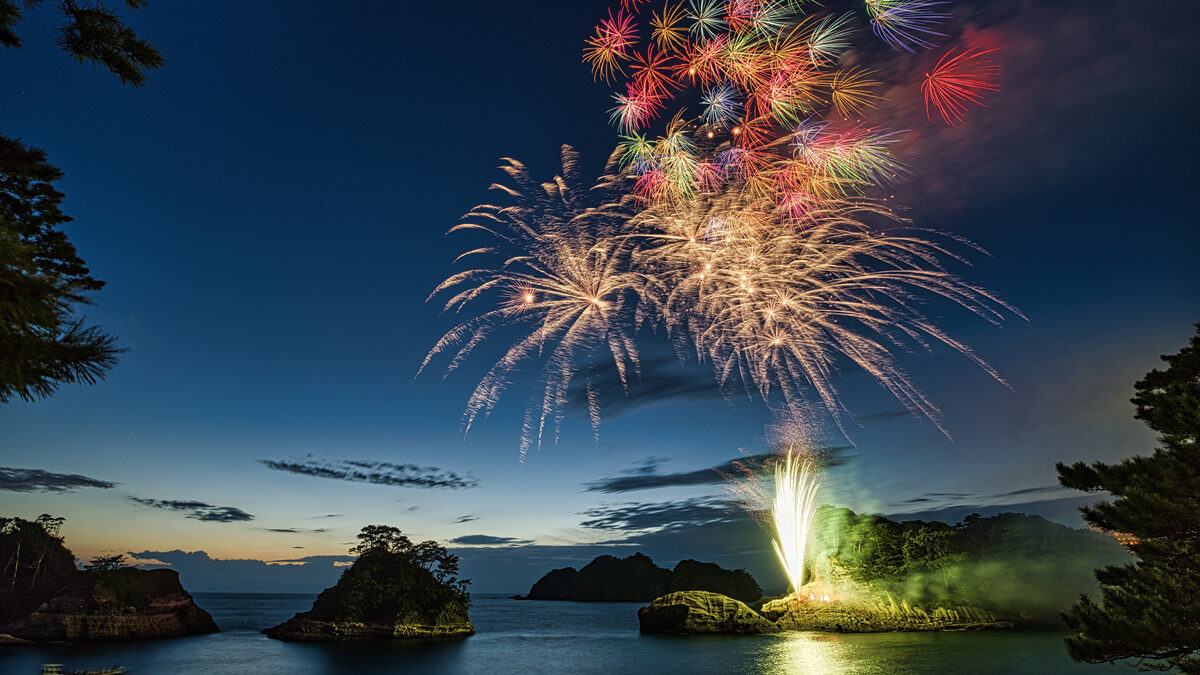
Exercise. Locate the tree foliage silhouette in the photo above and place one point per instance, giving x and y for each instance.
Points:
(42, 278)
(1150, 610)
(92, 32)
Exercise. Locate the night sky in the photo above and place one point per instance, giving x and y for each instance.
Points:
(270, 210)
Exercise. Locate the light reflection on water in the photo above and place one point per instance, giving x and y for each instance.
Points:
(808, 652)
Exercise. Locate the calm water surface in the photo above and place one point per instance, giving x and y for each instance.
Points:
(553, 637)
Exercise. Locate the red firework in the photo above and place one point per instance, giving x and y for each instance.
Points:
(958, 80)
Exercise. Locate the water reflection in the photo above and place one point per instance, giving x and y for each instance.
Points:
(808, 653)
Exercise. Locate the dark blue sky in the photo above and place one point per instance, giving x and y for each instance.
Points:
(270, 209)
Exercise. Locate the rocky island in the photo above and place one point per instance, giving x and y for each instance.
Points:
(696, 612)
(637, 579)
(44, 597)
(870, 574)
(395, 589)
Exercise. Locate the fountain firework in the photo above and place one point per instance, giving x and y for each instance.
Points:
(793, 508)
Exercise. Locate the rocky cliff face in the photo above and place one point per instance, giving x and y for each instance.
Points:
(121, 604)
(637, 579)
(44, 597)
(701, 612)
(878, 617)
(450, 622)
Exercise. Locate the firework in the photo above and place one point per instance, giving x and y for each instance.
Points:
(758, 67)
(610, 45)
(742, 231)
(792, 510)
(851, 90)
(562, 285)
(957, 80)
(722, 106)
(782, 309)
(668, 32)
(904, 24)
(829, 38)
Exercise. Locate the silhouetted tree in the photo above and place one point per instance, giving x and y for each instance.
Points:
(42, 278)
(42, 345)
(1150, 610)
(104, 563)
(92, 32)
(33, 562)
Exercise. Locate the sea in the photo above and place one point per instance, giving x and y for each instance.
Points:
(526, 636)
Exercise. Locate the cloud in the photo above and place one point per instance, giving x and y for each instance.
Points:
(198, 510)
(1063, 510)
(662, 378)
(293, 530)
(37, 480)
(645, 476)
(954, 500)
(320, 559)
(379, 473)
(884, 415)
(466, 519)
(657, 516)
(1056, 503)
(488, 540)
(200, 572)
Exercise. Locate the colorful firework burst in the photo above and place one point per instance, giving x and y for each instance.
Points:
(958, 80)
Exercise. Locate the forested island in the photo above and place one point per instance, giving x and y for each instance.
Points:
(872, 574)
(395, 589)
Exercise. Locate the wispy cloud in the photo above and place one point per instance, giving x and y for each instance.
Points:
(378, 473)
(198, 510)
(488, 540)
(645, 476)
(662, 378)
(658, 516)
(968, 499)
(466, 519)
(37, 480)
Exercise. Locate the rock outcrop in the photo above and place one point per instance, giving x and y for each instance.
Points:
(637, 579)
(385, 595)
(702, 612)
(44, 597)
(876, 617)
(120, 604)
(451, 622)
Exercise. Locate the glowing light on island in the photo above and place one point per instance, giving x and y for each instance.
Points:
(794, 508)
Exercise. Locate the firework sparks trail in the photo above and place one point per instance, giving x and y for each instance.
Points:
(956, 80)
(780, 308)
(563, 285)
(903, 24)
(793, 509)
